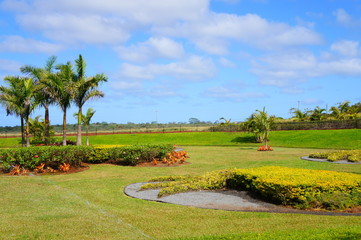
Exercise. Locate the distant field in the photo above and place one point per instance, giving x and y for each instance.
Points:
(332, 139)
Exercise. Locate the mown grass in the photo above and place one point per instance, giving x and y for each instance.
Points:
(331, 139)
(92, 205)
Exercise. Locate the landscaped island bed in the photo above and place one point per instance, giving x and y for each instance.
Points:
(300, 188)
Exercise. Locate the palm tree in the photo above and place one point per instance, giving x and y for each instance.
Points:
(86, 121)
(19, 99)
(11, 99)
(59, 87)
(317, 114)
(85, 88)
(341, 112)
(43, 95)
(298, 114)
(260, 124)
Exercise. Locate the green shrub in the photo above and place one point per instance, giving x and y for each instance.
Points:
(133, 155)
(30, 158)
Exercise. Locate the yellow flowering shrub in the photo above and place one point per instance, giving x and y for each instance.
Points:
(349, 155)
(301, 188)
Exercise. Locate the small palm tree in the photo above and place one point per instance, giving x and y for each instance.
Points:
(260, 124)
(85, 88)
(86, 121)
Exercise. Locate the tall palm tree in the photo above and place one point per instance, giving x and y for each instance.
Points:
(19, 99)
(59, 87)
(86, 121)
(43, 95)
(85, 88)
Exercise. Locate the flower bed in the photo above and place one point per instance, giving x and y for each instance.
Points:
(348, 155)
(299, 188)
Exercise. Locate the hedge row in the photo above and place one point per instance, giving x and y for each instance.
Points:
(349, 155)
(300, 188)
(53, 157)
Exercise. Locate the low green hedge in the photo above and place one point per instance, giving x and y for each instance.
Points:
(300, 188)
(349, 155)
(54, 156)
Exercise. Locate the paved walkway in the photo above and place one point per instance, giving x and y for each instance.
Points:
(230, 200)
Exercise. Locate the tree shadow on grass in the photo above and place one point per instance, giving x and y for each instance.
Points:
(245, 139)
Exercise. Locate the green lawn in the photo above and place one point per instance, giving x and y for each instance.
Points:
(332, 139)
(91, 204)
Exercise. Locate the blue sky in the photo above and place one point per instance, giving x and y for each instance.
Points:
(170, 60)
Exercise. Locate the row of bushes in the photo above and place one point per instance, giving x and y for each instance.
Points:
(300, 188)
(53, 157)
(349, 155)
(288, 125)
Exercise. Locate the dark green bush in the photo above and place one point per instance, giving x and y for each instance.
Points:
(133, 155)
(30, 158)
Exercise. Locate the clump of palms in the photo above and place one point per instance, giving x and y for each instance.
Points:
(260, 124)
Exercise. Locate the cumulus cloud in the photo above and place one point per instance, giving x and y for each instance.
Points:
(153, 48)
(250, 29)
(100, 22)
(287, 69)
(26, 45)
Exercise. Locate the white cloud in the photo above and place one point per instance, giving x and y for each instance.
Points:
(343, 17)
(346, 48)
(100, 22)
(153, 48)
(67, 28)
(285, 70)
(194, 68)
(217, 29)
(24, 45)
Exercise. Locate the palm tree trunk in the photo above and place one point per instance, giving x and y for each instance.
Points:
(78, 139)
(64, 128)
(22, 131)
(27, 134)
(47, 125)
(87, 136)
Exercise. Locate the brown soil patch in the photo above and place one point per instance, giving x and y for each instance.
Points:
(83, 167)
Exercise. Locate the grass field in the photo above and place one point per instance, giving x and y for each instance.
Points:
(91, 204)
(331, 139)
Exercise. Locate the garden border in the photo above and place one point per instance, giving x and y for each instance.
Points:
(325, 160)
